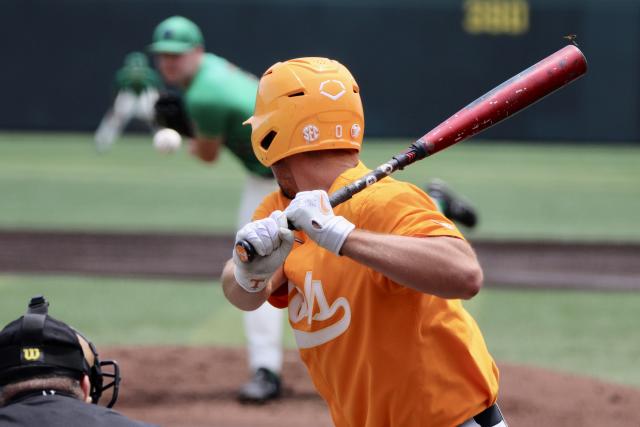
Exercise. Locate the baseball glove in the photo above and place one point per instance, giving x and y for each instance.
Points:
(170, 113)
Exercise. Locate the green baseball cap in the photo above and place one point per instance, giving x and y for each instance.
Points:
(176, 35)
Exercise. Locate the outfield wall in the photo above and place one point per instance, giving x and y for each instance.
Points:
(416, 61)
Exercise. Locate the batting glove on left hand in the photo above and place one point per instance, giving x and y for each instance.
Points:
(272, 241)
(311, 212)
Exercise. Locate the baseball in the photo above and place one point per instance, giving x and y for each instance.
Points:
(167, 140)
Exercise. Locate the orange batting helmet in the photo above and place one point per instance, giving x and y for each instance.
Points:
(306, 104)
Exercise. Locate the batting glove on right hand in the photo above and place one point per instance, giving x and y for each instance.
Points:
(272, 241)
(311, 212)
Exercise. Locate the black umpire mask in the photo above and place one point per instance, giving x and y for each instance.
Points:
(37, 345)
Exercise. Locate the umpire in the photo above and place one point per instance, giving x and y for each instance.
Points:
(50, 375)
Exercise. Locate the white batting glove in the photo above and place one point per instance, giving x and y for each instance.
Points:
(272, 241)
(311, 212)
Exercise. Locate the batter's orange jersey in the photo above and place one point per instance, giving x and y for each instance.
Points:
(379, 353)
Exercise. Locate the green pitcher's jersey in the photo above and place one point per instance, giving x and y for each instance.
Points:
(137, 79)
(220, 97)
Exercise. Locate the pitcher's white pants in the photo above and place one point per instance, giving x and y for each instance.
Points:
(263, 327)
(126, 106)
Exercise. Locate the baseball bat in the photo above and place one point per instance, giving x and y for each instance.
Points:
(514, 95)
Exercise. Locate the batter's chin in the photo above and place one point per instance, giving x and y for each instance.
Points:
(287, 194)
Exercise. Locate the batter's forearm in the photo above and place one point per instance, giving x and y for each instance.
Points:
(441, 266)
(247, 301)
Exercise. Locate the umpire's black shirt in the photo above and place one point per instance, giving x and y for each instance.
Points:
(60, 410)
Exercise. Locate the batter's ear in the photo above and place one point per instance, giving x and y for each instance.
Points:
(85, 385)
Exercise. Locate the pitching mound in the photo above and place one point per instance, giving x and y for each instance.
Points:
(195, 387)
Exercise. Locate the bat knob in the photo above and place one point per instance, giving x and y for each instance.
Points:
(245, 251)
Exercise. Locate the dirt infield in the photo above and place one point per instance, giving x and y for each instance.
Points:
(196, 256)
(195, 387)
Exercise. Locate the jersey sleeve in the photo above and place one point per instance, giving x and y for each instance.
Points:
(280, 297)
(210, 117)
(407, 211)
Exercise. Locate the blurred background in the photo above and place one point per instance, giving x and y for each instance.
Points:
(417, 60)
(128, 244)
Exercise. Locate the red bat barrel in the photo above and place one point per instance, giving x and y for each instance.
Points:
(512, 96)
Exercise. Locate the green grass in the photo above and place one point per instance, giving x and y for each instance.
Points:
(61, 182)
(521, 191)
(130, 312)
(585, 332)
(589, 333)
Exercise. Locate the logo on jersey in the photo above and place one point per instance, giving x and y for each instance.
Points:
(312, 299)
(310, 133)
(332, 89)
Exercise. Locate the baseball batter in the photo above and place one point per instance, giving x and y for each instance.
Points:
(136, 86)
(218, 97)
(373, 286)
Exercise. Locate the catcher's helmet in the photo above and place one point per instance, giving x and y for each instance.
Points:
(306, 104)
(37, 345)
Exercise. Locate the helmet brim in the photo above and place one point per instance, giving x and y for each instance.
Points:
(170, 46)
